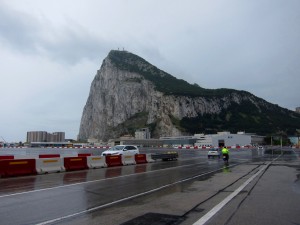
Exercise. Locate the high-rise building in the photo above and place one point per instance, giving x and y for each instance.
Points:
(44, 136)
(298, 109)
(37, 136)
(58, 136)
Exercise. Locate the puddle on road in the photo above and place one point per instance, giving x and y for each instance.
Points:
(296, 185)
(154, 218)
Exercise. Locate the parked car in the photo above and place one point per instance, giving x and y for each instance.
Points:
(214, 152)
(122, 150)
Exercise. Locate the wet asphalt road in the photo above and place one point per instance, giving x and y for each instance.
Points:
(173, 192)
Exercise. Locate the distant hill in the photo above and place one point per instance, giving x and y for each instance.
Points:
(128, 93)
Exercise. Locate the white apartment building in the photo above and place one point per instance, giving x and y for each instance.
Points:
(226, 138)
(143, 133)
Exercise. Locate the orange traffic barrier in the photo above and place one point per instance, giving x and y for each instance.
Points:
(140, 158)
(75, 163)
(114, 160)
(19, 167)
(49, 156)
(6, 157)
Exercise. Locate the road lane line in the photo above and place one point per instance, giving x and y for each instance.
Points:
(218, 207)
(127, 198)
(92, 181)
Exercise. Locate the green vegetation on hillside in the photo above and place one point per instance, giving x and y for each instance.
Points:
(244, 117)
(139, 120)
(163, 81)
(260, 117)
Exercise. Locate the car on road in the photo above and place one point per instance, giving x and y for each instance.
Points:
(122, 150)
(214, 152)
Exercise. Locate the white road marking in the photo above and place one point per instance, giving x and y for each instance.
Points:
(92, 181)
(218, 207)
(125, 199)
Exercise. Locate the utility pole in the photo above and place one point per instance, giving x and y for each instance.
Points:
(271, 141)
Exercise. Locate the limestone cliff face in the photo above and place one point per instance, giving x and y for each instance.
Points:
(120, 93)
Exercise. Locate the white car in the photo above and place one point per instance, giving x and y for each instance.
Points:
(122, 150)
(214, 152)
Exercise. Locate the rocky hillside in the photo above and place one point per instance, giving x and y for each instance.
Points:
(128, 93)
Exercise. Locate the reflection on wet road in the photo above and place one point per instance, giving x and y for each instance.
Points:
(76, 196)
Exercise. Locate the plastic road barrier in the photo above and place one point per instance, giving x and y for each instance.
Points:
(96, 161)
(49, 156)
(6, 157)
(25, 157)
(75, 163)
(140, 158)
(49, 165)
(19, 167)
(128, 160)
(149, 158)
(68, 155)
(113, 160)
(84, 154)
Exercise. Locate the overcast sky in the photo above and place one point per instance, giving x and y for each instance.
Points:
(52, 49)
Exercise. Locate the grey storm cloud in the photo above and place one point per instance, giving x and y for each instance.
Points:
(50, 51)
(18, 30)
(24, 33)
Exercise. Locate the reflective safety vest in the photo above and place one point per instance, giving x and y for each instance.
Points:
(225, 151)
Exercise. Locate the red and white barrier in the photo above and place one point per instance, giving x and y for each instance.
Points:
(49, 156)
(128, 160)
(140, 158)
(25, 157)
(19, 167)
(113, 160)
(84, 154)
(149, 158)
(94, 162)
(75, 163)
(49, 165)
(7, 157)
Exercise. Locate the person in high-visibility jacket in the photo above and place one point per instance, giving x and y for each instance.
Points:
(225, 153)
